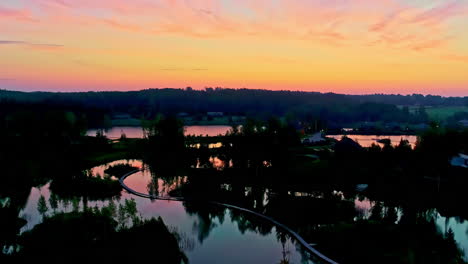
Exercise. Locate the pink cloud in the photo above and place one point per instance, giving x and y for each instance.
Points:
(386, 21)
(393, 23)
(417, 28)
(32, 45)
(120, 25)
(21, 15)
(441, 13)
(456, 57)
(429, 44)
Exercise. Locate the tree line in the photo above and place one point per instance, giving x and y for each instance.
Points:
(147, 104)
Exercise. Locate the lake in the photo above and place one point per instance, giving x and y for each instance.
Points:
(367, 140)
(137, 132)
(212, 234)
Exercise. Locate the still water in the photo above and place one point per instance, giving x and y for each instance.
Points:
(144, 182)
(368, 140)
(212, 234)
(137, 132)
(215, 234)
(206, 130)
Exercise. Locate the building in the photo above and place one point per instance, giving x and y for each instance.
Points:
(215, 114)
(314, 138)
(460, 161)
(463, 123)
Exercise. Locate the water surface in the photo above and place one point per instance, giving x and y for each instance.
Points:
(368, 140)
(137, 132)
(210, 131)
(212, 234)
(215, 234)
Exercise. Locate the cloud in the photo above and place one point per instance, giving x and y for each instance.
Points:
(62, 3)
(417, 28)
(171, 69)
(120, 25)
(441, 13)
(183, 69)
(386, 21)
(21, 15)
(11, 42)
(393, 23)
(456, 57)
(32, 45)
(429, 44)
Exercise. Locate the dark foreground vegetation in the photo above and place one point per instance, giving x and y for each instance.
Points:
(92, 236)
(311, 188)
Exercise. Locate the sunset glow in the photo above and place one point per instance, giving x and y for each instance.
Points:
(342, 46)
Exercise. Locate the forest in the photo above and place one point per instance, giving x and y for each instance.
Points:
(337, 110)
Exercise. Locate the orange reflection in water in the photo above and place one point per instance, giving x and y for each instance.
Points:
(367, 140)
(217, 163)
(210, 131)
(146, 182)
(98, 171)
(211, 146)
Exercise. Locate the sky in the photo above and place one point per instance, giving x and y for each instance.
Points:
(341, 46)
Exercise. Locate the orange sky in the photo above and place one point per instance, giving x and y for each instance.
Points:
(342, 46)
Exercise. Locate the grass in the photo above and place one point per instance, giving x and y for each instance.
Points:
(129, 148)
(105, 157)
(442, 113)
(222, 120)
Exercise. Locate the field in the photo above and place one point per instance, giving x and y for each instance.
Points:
(443, 112)
(211, 121)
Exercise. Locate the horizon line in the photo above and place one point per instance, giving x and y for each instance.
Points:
(228, 88)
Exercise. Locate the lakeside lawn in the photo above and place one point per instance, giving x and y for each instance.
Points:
(440, 113)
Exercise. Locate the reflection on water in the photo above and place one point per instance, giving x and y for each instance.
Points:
(219, 164)
(211, 131)
(214, 162)
(266, 200)
(210, 146)
(144, 182)
(367, 140)
(116, 132)
(99, 171)
(363, 208)
(459, 227)
(212, 234)
(137, 132)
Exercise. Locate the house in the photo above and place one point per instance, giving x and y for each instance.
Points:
(463, 123)
(314, 138)
(460, 161)
(215, 114)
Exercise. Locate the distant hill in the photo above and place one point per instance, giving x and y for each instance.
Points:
(229, 94)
